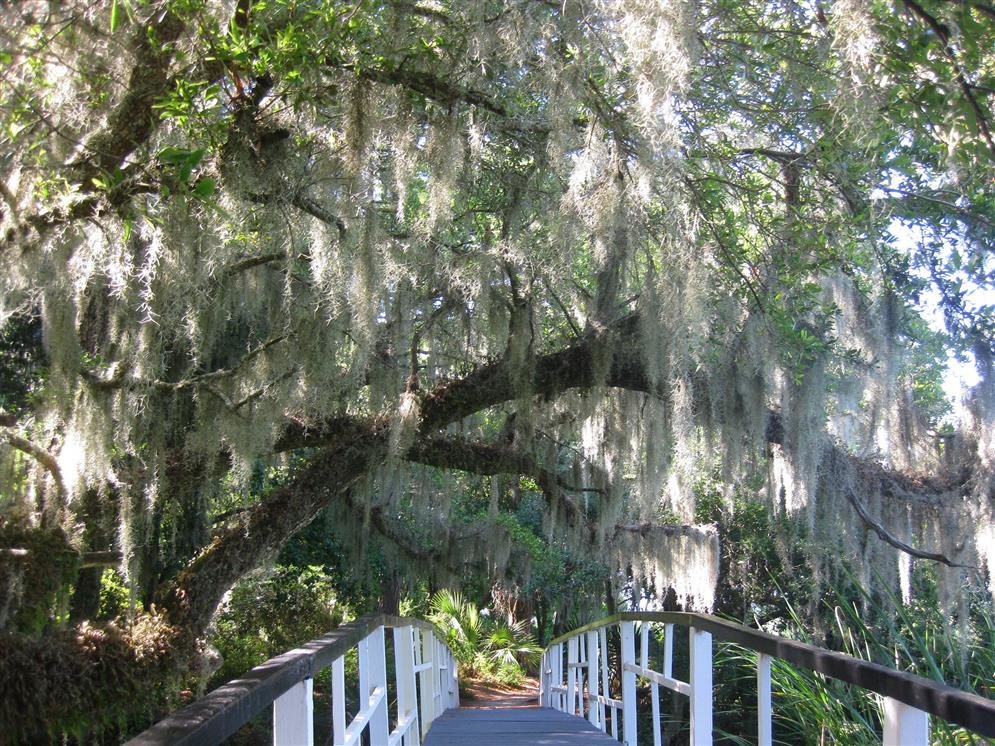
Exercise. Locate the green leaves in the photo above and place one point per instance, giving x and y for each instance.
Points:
(191, 103)
(484, 648)
(184, 162)
(204, 188)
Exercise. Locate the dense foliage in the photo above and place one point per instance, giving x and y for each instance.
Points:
(551, 300)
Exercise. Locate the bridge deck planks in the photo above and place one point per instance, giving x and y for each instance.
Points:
(513, 726)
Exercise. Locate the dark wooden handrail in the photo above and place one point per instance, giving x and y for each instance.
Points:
(953, 705)
(217, 715)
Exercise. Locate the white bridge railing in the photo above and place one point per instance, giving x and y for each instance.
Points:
(425, 686)
(575, 678)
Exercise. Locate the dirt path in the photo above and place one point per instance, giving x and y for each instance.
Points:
(482, 696)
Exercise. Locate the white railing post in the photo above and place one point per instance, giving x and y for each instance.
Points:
(594, 654)
(603, 638)
(404, 668)
(560, 679)
(668, 650)
(377, 679)
(644, 644)
(628, 684)
(293, 716)
(446, 678)
(431, 683)
(542, 678)
(571, 676)
(701, 687)
(338, 701)
(765, 730)
(644, 656)
(453, 679)
(581, 661)
(904, 725)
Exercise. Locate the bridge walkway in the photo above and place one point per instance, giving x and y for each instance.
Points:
(495, 717)
(513, 726)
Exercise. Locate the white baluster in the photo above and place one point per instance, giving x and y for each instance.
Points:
(453, 680)
(668, 651)
(571, 675)
(628, 685)
(701, 688)
(338, 701)
(593, 684)
(904, 725)
(765, 730)
(430, 682)
(404, 668)
(560, 698)
(377, 679)
(293, 716)
(603, 642)
(581, 659)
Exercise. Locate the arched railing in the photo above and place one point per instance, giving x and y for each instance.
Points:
(575, 671)
(426, 686)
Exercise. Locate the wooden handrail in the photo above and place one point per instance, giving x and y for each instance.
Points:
(952, 705)
(217, 715)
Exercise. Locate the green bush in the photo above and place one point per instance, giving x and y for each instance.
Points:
(485, 649)
(271, 612)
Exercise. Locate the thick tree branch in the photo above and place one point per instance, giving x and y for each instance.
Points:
(129, 125)
(893, 540)
(133, 119)
(349, 446)
(39, 454)
(110, 558)
(190, 600)
(487, 459)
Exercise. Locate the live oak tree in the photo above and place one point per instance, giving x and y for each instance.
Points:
(605, 246)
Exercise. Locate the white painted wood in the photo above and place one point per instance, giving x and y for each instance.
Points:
(701, 687)
(404, 669)
(430, 682)
(904, 725)
(405, 729)
(354, 733)
(561, 693)
(543, 678)
(593, 679)
(655, 704)
(571, 675)
(628, 685)
(765, 727)
(644, 644)
(605, 681)
(379, 724)
(551, 695)
(681, 687)
(338, 701)
(668, 651)
(293, 716)
(581, 665)
(453, 679)
(363, 659)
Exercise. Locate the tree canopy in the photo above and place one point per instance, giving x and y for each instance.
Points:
(265, 261)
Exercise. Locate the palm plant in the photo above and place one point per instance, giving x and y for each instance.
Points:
(484, 649)
(512, 644)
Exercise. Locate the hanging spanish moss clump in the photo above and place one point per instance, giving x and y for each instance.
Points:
(854, 41)
(403, 213)
(682, 559)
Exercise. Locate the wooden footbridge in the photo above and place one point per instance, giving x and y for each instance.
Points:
(583, 698)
